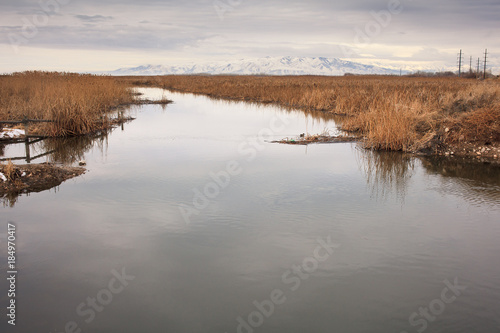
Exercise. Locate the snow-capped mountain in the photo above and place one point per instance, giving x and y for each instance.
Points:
(411, 66)
(267, 66)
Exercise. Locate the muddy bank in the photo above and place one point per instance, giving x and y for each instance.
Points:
(27, 178)
(488, 152)
(305, 140)
(467, 149)
(450, 143)
(163, 101)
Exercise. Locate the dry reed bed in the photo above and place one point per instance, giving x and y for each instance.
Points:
(78, 104)
(393, 113)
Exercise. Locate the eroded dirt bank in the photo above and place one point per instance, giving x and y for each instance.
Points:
(17, 179)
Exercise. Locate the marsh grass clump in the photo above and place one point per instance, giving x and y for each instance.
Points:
(482, 126)
(77, 104)
(8, 170)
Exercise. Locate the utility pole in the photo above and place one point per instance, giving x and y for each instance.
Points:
(460, 63)
(470, 68)
(485, 56)
(478, 75)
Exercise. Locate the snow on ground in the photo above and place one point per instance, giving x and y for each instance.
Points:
(9, 133)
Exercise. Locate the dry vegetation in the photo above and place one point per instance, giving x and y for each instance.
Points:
(78, 104)
(393, 113)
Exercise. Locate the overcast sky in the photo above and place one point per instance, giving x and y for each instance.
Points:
(93, 35)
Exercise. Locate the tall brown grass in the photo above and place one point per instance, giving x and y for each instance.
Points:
(393, 113)
(8, 170)
(78, 104)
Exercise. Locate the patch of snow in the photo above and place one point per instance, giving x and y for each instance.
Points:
(11, 133)
(2, 177)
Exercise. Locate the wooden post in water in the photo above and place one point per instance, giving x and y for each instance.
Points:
(27, 139)
(28, 157)
(121, 120)
(26, 129)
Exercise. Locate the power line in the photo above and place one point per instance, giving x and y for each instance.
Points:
(485, 57)
(460, 63)
(477, 73)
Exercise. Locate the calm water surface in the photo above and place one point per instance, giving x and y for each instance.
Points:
(211, 228)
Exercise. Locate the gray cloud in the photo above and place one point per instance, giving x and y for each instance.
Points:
(93, 18)
(113, 37)
(428, 29)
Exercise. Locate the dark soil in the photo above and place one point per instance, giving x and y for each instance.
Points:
(148, 101)
(35, 178)
(305, 140)
(487, 152)
(444, 144)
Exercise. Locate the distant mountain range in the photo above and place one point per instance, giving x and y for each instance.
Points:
(265, 66)
(286, 66)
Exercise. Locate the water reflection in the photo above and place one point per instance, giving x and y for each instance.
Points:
(477, 182)
(72, 150)
(29, 154)
(386, 172)
(311, 117)
(125, 213)
(389, 173)
(67, 151)
(9, 199)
